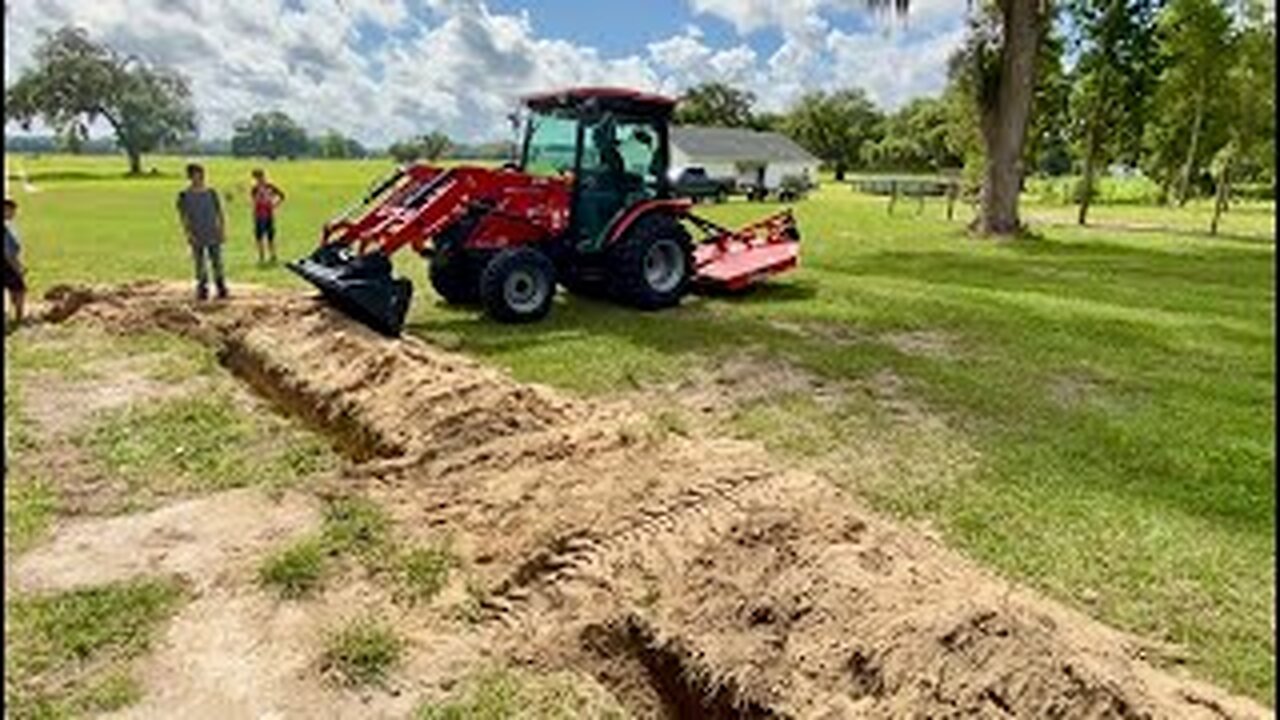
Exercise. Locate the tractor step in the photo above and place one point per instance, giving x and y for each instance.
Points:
(360, 286)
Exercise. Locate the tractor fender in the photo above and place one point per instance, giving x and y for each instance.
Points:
(671, 206)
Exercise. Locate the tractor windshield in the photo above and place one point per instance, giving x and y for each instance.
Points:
(550, 144)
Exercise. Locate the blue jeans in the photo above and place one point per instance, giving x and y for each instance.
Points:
(213, 251)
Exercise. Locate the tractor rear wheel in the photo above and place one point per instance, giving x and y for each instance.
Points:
(455, 277)
(652, 265)
(517, 285)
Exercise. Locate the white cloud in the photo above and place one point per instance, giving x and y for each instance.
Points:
(891, 70)
(748, 16)
(384, 69)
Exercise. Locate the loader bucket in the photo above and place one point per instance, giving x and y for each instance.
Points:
(361, 286)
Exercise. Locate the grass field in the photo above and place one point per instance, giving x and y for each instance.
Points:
(1116, 384)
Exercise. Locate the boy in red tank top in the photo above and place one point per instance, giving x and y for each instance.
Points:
(266, 198)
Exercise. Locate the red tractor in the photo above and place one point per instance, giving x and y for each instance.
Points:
(588, 207)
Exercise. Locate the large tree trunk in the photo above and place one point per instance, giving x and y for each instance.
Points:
(1086, 181)
(1004, 117)
(1184, 188)
(135, 161)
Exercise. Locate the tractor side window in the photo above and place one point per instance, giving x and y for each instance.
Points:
(624, 150)
(551, 145)
(638, 144)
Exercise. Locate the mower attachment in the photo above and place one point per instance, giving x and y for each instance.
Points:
(732, 260)
(359, 285)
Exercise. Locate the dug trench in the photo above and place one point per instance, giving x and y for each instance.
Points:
(692, 577)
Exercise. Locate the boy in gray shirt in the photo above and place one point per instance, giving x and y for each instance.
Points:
(202, 219)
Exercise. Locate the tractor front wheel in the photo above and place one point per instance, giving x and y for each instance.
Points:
(652, 265)
(518, 285)
(454, 277)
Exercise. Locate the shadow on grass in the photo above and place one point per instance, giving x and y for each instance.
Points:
(1155, 228)
(84, 176)
(1216, 281)
(794, 291)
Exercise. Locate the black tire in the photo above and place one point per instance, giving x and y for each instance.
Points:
(518, 285)
(651, 267)
(455, 278)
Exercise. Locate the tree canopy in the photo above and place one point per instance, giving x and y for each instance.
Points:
(1113, 79)
(432, 146)
(916, 138)
(75, 81)
(715, 103)
(835, 126)
(271, 135)
(1194, 42)
(333, 144)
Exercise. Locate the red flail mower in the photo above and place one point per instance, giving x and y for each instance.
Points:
(587, 207)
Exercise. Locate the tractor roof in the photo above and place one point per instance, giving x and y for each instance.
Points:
(631, 102)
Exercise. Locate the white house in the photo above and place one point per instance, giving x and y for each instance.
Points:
(748, 156)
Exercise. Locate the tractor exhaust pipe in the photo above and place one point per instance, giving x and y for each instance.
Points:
(360, 286)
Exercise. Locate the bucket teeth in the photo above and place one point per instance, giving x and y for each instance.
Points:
(361, 286)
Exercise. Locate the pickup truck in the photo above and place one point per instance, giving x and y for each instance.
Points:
(694, 183)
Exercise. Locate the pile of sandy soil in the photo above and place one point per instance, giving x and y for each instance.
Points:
(692, 577)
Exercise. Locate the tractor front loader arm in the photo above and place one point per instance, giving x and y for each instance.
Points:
(352, 266)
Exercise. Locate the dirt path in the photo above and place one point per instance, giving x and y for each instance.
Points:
(691, 577)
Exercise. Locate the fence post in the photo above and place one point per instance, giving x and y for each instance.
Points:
(951, 198)
(893, 194)
(920, 190)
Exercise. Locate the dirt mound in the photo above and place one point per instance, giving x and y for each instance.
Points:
(692, 577)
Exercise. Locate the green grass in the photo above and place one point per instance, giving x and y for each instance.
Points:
(422, 573)
(29, 507)
(67, 654)
(76, 353)
(296, 571)
(200, 442)
(361, 653)
(1146, 497)
(502, 694)
(358, 526)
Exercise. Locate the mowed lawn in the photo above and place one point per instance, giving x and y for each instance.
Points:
(1116, 385)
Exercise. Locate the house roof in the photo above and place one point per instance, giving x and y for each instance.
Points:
(737, 144)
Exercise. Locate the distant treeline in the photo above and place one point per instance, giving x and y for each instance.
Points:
(223, 147)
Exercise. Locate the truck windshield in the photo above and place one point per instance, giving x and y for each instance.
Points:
(550, 145)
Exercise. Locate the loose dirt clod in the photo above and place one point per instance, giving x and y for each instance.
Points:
(691, 576)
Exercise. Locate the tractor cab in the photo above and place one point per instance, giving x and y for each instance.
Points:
(611, 142)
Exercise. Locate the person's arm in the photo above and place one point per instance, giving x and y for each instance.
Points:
(222, 220)
(279, 195)
(182, 218)
(10, 256)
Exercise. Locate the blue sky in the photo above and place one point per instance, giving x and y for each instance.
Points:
(623, 27)
(384, 69)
